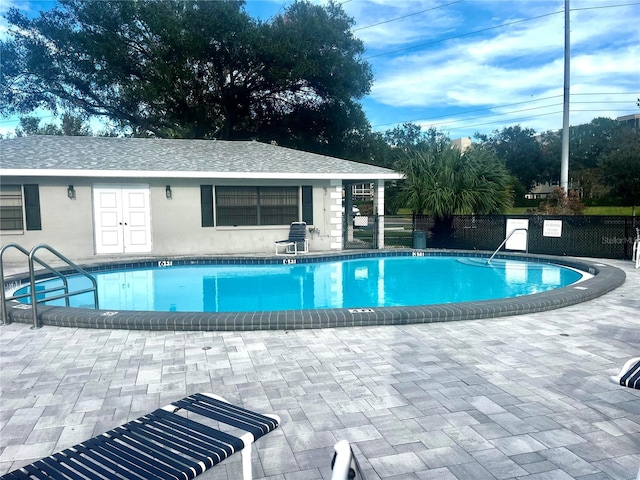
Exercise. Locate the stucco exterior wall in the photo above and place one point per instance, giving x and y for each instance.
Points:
(67, 224)
(176, 223)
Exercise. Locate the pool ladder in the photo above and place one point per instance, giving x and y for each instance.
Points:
(506, 240)
(33, 258)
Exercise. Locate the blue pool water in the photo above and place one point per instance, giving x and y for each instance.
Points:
(355, 283)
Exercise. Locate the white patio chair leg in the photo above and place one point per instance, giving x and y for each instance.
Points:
(247, 473)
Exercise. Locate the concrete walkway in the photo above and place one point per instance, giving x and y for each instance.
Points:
(524, 397)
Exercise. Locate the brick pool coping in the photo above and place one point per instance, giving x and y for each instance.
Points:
(605, 278)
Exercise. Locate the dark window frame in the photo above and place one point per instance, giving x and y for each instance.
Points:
(206, 205)
(25, 215)
(256, 205)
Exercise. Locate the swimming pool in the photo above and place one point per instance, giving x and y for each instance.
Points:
(604, 278)
(346, 283)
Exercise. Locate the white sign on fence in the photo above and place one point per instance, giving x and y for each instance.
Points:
(552, 228)
(517, 241)
(360, 221)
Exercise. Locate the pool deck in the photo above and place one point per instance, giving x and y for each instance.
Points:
(524, 397)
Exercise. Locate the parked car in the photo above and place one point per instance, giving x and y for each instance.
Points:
(354, 210)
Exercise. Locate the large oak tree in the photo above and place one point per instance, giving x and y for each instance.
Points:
(192, 69)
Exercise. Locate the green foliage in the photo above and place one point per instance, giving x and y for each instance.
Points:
(70, 125)
(446, 182)
(192, 69)
(559, 203)
(536, 158)
(621, 167)
(588, 143)
(519, 192)
(522, 154)
(591, 141)
(409, 137)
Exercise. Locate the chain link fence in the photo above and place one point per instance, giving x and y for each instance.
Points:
(582, 235)
(360, 231)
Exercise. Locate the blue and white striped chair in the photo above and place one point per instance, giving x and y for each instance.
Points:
(629, 375)
(163, 444)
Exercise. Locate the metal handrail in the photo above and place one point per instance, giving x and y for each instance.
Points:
(505, 241)
(3, 298)
(75, 267)
(32, 281)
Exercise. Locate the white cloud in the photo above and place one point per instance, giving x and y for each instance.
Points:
(415, 21)
(520, 63)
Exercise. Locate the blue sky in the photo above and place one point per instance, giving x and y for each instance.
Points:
(467, 66)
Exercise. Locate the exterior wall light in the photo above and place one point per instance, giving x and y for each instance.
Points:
(71, 192)
(168, 192)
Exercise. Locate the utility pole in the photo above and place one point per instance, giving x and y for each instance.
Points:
(564, 162)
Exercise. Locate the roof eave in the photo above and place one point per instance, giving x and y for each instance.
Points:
(195, 174)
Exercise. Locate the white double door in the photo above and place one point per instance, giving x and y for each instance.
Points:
(122, 218)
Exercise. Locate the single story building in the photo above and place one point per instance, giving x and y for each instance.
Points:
(92, 196)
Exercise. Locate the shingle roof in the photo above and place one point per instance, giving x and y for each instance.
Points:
(82, 156)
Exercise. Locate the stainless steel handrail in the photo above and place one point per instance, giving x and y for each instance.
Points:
(32, 281)
(505, 241)
(32, 278)
(3, 297)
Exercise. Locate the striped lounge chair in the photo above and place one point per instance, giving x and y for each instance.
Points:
(164, 444)
(629, 375)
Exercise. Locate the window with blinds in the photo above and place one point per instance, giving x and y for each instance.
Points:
(11, 217)
(237, 206)
(19, 204)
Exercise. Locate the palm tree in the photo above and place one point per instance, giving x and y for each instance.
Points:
(443, 182)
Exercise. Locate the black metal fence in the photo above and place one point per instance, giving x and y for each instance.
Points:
(581, 236)
(360, 231)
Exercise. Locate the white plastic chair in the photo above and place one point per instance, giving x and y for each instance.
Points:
(344, 465)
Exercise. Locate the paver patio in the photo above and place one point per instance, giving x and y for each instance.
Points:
(524, 397)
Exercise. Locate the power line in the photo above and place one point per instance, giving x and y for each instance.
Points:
(468, 111)
(473, 32)
(498, 114)
(512, 120)
(494, 107)
(603, 101)
(598, 110)
(607, 93)
(604, 6)
(405, 16)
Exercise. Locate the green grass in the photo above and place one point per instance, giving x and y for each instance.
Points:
(624, 211)
(609, 211)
